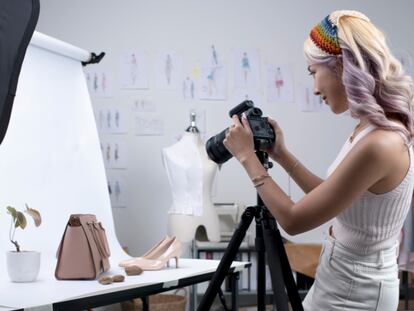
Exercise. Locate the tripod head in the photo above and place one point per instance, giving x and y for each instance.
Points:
(264, 159)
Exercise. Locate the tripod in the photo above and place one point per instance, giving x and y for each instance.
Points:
(268, 240)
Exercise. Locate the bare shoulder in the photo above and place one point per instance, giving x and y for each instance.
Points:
(382, 145)
(385, 141)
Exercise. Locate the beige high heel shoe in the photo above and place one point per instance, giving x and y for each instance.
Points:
(153, 253)
(172, 252)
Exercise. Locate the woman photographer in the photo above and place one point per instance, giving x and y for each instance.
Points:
(370, 184)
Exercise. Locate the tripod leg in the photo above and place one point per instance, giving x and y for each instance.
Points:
(280, 270)
(227, 259)
(277, 276)
(291, 287)
(261, 265)
(235, 291)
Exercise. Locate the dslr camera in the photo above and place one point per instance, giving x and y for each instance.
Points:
(263, 133)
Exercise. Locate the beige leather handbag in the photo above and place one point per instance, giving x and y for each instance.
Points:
(83, 252)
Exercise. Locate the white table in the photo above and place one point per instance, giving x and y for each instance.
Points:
(50, 294)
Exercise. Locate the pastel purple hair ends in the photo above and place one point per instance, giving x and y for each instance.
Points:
(377, 97)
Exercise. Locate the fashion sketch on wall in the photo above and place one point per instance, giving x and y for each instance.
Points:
(191, 81)
(246, 64)
(117, 189)
(213, 82)
(279, 83)
(168, 70)
(149, 124)
(189, 88)
(144, 105)
(110, 119)
(114, 153)
(134, 70)
(211, 75)
(214, 56)
(99, 82)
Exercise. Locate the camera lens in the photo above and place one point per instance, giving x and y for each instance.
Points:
(216, 150)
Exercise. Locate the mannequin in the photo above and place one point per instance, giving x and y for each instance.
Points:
(191, 174)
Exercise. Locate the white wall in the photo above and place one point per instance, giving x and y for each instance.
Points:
(277, 28)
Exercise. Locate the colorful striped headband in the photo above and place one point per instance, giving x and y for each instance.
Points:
(325, 34)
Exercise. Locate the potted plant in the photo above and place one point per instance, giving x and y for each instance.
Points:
(22, 266)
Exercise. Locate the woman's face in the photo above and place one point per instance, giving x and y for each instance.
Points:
(328, 85)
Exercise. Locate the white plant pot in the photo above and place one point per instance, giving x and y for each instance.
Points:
(23, 266)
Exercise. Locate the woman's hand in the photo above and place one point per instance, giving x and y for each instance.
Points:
(279, 149)
(239, 139)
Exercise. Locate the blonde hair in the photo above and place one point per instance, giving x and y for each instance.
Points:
(376, 86)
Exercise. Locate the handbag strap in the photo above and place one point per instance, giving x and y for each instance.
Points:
(95, 227)
(105, 239)
(84, 220)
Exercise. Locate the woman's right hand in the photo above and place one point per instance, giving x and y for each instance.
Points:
(278, 150)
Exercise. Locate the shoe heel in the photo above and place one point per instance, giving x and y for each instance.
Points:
(176, 262)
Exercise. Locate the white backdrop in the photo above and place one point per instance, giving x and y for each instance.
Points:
(276, 28)
(50, 157)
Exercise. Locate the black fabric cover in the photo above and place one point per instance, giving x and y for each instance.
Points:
(18, 19)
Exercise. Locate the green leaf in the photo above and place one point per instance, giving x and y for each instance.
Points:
(21, 220)
(35, 215)
(12, 211)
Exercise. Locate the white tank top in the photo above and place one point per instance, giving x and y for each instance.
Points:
(373, 221)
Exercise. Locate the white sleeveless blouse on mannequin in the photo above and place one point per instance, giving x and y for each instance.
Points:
(190, 174)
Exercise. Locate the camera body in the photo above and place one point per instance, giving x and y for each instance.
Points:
(263, 134)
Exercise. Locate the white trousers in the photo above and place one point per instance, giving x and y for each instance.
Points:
(346, 280)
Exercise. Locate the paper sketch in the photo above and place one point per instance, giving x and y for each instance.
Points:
(110, 119)
(114, 153)
(213, 83)
(144, 105)
(99, 82)
(214, 56)
(117, 190)
(149, 125)
(168, 70)
(134, 70)
(246, 64)
(279, 84)
(189, 89)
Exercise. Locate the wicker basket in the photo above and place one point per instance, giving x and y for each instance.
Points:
(160, 302)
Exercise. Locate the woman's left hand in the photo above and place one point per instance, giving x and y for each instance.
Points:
(239, 139)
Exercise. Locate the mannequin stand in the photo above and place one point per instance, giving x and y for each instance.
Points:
(268, 240)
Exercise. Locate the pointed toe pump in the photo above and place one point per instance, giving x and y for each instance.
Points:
(153, 253)
(173, 251)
